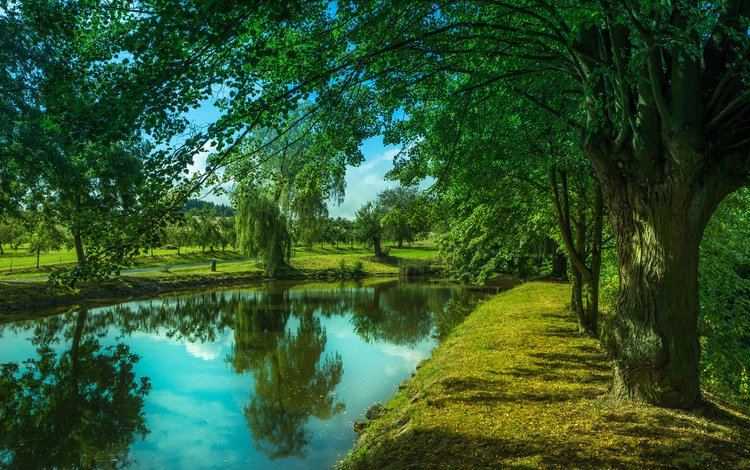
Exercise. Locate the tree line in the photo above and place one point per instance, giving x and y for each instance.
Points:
(631, 112)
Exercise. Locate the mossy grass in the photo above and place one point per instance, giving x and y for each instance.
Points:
(516, 386)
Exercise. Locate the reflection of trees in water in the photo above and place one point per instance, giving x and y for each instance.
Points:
(196, 318)
(398, 313)
(292, 384)
(278, 338)
(80, 409)
(452, 314)
(258, 323)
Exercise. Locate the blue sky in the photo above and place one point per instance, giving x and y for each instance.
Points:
(363, 183)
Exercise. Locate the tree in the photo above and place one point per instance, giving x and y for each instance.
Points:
(261, 229)
(80, 112)
(179, 234)
(227, 232)
(205, 228)
(656, 93)
(368, 228)
(724, 323)
(311, 214)
(45, 236)
(401, 220)
(12, 232)
(299, 169)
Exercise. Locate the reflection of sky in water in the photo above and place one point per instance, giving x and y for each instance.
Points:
(194, 411)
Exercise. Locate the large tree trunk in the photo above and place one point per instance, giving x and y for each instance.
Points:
(653, 338)
(400, 243)
(78, 243)
(378, 249)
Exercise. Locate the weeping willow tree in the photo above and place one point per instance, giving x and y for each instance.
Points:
(262, 230)
(299, 166)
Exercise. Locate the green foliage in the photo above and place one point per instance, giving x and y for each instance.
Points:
(311, 217)
(338, 231)
(413, 268)
(12, 232)
(45, 236)
(490, 239)
(179, 234)
(73, 407)
(724, 322)
(200, 204)
(345, 271)
(405, 216)
(262, 229)
(368, 228)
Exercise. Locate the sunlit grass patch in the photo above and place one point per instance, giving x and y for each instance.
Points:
(319, 264)
(516, 386)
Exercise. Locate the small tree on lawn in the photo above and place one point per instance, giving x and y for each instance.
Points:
(368, 227)
(45, 237)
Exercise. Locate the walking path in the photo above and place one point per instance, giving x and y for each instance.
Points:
(144, 270)
(515, 386)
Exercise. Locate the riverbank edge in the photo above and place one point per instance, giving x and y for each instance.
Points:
(20, 297)
(515, 385)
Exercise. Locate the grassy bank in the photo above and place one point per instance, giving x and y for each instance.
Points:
(516, 386)
(326, 263)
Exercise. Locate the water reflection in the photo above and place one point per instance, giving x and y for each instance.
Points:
(79, 403)
(292, 385)
(79, 408)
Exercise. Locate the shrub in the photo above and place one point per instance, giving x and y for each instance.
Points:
(358, 268)
(413, 268)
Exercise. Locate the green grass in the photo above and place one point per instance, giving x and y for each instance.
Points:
(20, 263)
(318, 263)
(516, 386)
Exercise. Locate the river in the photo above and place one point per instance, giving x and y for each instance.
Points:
(269, 376)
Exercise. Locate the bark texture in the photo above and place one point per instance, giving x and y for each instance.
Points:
(653, 338)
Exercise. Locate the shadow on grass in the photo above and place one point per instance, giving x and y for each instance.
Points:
(668, 447)
(552, 411)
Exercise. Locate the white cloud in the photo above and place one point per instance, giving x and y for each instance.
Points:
(208, 351)
(410, 357)
(177, 438)
(200, 158)
(364, 182)
(213, 350)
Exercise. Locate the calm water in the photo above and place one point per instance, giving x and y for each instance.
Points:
(267, 377)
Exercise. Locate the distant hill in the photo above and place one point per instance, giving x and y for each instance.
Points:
(221, 209)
